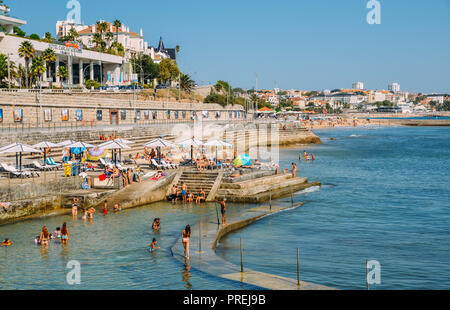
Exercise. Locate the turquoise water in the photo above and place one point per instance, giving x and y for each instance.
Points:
(414, 118)
(112, 250)
(385, 197)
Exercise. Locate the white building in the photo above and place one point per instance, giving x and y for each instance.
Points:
(358, 85)
(437, 98)
(81, 64)
(8, 23)
(394, 87)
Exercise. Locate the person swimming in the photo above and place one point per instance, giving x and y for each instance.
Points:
(156, 224)
(153, 245)
(117, 207)
(6, 243)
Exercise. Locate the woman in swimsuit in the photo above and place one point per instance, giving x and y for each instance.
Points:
(75, 207)
(185, 235)
(43, 238)
(64, 234)
(200, 196)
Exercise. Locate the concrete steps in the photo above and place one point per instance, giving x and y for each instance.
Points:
(196, 181)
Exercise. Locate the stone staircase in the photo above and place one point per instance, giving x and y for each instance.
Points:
(196, 180)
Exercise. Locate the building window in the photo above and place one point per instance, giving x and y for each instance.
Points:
(138, 115)
(99, 115)
(18, 115)
(79, 115)
(123, 115)
(65, 115)
(48, 115)
(155, 114)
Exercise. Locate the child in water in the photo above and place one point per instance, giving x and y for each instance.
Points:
(8, 242)
(37, 240)
(105, 207)
(153, 245)
(117, 208)
(57, 232)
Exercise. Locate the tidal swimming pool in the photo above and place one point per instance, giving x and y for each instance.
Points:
(112, 250)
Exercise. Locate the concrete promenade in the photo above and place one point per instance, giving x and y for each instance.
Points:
(205, 236)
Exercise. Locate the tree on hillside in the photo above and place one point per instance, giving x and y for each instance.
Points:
(72, 35)
(27, 51)
(19, 32)
(117, 23)
(62, 73)
(49, 56)
(186, 83)
(37, 68)
(48, 38)
(4, 68)
(168, 70)
(144, 66)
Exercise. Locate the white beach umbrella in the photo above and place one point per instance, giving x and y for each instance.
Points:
(218, 143)
(191, 142)
(124, 141)
(66, 143)
(45, 145)
(159, 143)
(80, 145)
(18, 148)
(114, 145)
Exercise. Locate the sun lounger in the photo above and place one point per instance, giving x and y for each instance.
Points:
(173, 166)
(51, 162)
(155, 165)
(15, 172)
(42, 168)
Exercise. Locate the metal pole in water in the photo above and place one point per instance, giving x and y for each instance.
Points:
(199, 237)
(217, 213)
(298, 268)
(242, 262)
(292, 197)
(367, 280)
(270, 198)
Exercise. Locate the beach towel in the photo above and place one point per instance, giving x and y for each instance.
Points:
(102, 177)
(157, 177)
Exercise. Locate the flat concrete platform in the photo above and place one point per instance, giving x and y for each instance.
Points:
(207, 233)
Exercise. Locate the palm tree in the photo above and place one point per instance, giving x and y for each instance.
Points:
(97, 40)
(186, 83)
(48, 37)
(117, 23)
(102, 26)
(72, 35)
(109, 36)
(26, 50)
(62, 73)
(37, 67)
(49, 56)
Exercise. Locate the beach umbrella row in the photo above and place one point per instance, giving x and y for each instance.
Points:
(18, 148)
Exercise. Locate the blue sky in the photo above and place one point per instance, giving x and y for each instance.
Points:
(300, 44)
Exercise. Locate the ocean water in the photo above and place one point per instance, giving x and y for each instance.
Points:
(385, 197)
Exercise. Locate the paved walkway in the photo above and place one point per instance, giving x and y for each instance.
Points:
(204, 258)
